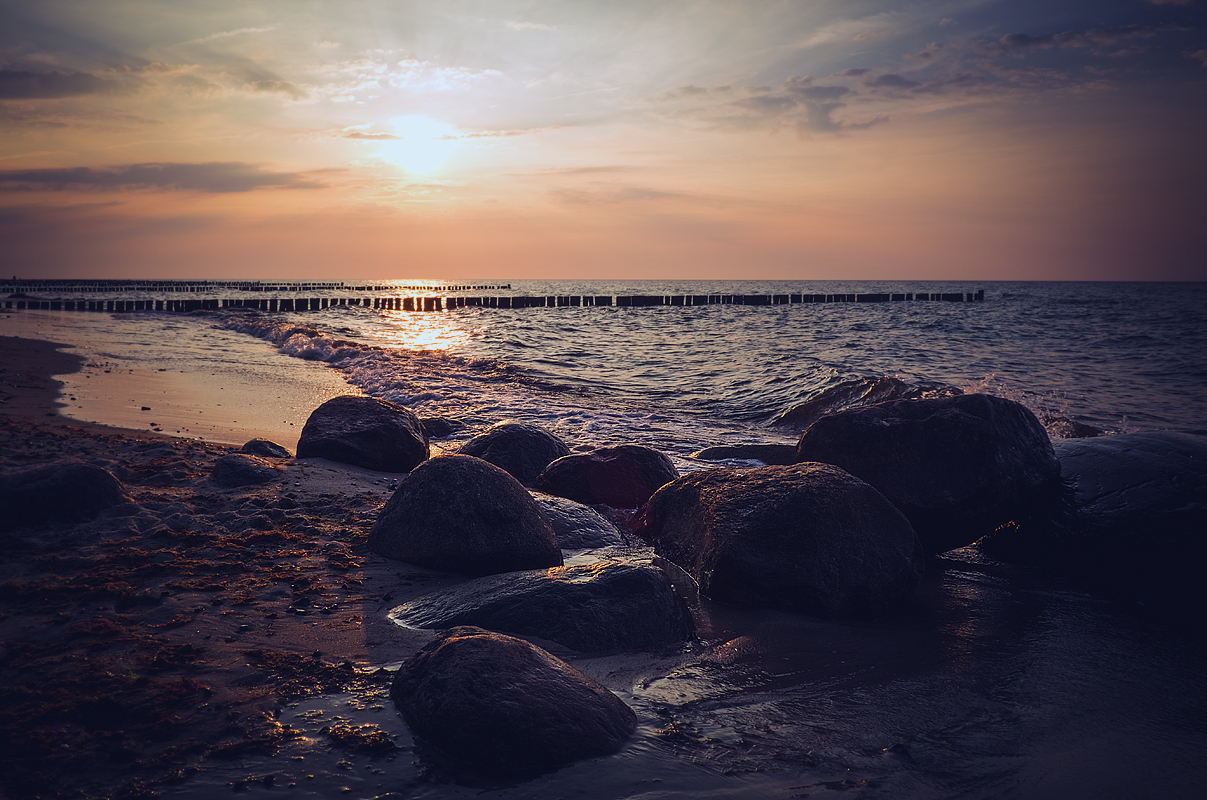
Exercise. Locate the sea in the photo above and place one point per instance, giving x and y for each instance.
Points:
(1001, 682)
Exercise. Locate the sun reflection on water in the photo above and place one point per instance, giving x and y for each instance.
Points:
(410, 330)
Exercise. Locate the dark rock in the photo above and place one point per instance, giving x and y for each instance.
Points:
(1134, 516)
(1059, 427)
(957, 467)
(848, 394)
(462, 514)
(264, 447)
(62, 491)
(521, 449)
(587, 607)
(623, 476)
(808, 538)
(772, 454)
(440, 427)
(505, 706)
(365, 432)
(577, 526)
(240, 469)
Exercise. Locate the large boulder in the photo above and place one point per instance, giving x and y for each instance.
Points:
(957, 467)
(241, 469)
(624, 476)
(365, 432)
(577, 526)
(808, 538)
(62, 491)
(521, 449)
(506, 706)
(773, 454)
(587, 607)
(462, 514)
(1134, 517)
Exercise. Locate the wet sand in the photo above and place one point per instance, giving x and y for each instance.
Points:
(167, 633)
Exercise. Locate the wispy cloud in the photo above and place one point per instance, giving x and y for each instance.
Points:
(21, 85)
(212, 177)
(213, 37)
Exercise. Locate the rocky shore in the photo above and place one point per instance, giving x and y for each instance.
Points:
(163, 599)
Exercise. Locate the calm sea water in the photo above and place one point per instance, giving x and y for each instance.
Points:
(998, 683)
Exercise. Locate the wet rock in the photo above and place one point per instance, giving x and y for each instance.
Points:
(505, 706)
(62, 491)
(240, 469)
(848, 394)
(1133, 518)
(265, 448)
(523, 450)
(1060, 427)
(808, 538)
(771, 454)
(577, 526)
(587, 607)
(957, 467)
(462, 514)
(624, 476)
(441, 427)
(365, 432)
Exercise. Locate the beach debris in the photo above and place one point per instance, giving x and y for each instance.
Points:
(809, 538)
(506, 707)
(957, 467)
(586, 607)
(462, 514)
(365, 432)
(576, 525)
(61, 491)
(522, 449)
(264, 447)
(239, 469)
(624, 476)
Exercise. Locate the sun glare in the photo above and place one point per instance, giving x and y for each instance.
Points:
(422, 144)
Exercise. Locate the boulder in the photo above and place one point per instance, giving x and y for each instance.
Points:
(809, 538)
(240, 469)
(521, 449)
(1134, 515)
(506, 706)
(587, 607)
(773, 454)
(623, 476)
(462, 514)
(848, 394)
(61, 491)
(440, 427)
(957, 467)
(365, 432)
(265, 448)
(577, 526)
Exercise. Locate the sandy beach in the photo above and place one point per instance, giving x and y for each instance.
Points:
(167, 632)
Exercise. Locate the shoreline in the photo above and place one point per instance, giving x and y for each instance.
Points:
(172, 630)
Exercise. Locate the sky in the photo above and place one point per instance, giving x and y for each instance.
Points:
(670, 139)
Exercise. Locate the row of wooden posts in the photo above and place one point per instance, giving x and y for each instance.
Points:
(448, 303)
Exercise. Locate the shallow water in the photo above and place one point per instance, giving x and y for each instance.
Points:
(996, 683)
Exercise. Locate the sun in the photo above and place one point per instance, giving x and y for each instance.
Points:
(422, 145)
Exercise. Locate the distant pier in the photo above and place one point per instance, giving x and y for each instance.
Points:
(24, 294)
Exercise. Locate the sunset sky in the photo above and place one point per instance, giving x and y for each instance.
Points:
(803, 139)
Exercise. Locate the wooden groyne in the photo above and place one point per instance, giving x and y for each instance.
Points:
(421, 304)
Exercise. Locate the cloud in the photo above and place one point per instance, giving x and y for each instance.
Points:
(891, 80)
(212, 178)
(18, 85)
(276, 87)
(529, 26)
(228, 34)
(1200, 56)
(369, 136)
